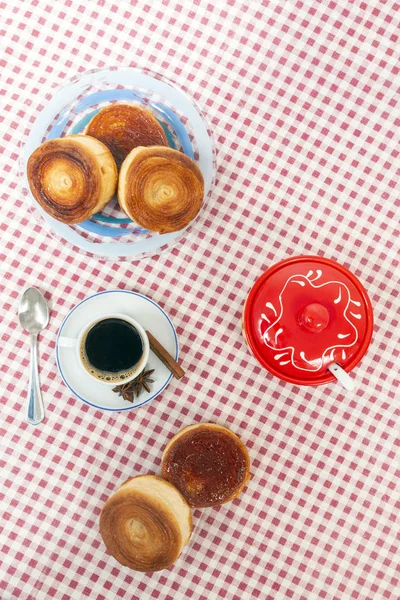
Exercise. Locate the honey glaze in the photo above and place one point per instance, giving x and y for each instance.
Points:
(208, 464)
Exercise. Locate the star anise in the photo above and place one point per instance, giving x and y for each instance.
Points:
(135, 387)
(125, 390)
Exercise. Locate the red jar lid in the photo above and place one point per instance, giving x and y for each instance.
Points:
(305, 313)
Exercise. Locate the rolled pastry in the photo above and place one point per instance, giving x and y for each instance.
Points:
(72, 178)
(146, 523)
(207, 463)
(122, 127)
(161, 189)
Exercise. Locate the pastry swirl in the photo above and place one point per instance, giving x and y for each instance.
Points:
(72, 178)
(207, 463)
(122, 127)
(161, 189)
(146, 523)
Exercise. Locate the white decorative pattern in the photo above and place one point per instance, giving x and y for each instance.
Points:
(328, 356)
(271, 306)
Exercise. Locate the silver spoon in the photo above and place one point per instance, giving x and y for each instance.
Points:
(34, 316)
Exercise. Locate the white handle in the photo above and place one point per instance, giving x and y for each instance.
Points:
(66, 342)
(343, 377)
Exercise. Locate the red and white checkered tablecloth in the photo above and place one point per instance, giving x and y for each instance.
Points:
(303, 98)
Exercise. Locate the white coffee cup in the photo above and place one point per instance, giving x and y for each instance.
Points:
(67, 342)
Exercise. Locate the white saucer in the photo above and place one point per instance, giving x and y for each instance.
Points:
(148, 314)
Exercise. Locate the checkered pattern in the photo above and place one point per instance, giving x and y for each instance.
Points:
(303, 100)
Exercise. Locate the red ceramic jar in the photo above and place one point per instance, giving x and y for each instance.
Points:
(304, 314)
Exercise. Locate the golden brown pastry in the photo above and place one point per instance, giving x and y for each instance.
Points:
(207, 463)
(146, 523)
(122, 127)
(72, 177)
(159, 188)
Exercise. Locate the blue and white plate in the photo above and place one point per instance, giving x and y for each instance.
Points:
(148, 314)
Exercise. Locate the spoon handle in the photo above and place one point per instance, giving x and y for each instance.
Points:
(35, 401)
(342, 377)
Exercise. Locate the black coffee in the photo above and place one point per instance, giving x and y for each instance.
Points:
(111, 349)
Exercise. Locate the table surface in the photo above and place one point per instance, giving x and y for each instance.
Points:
(303, 100)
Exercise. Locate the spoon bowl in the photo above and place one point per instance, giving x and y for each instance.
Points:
(33, 311)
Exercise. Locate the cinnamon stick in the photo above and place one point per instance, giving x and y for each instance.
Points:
(165, 357)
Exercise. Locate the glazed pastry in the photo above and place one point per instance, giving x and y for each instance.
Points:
(72, 178)
(146, 523)
(160, 189)
(122, 127)
(207, 463)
